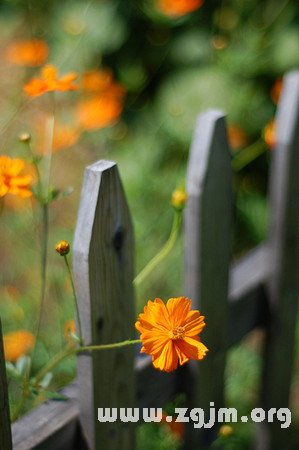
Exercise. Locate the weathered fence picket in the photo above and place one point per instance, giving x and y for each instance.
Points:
(103, 276)
(259, 290)
(283, 243)
(207, 250)
(5, 431)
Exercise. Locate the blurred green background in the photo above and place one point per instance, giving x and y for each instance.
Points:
(227, 54)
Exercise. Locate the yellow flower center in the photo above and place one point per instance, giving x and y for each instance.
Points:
(177, 333)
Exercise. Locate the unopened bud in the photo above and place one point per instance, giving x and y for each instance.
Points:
(226, 430)
(63, 248)
(24, 137)
(179, 198)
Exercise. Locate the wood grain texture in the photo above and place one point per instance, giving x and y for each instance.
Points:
(53, 425)
(103, 274)
(207, 248)
(283, 242)
(5, 430)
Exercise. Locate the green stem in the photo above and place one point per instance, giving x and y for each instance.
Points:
(75, 298)
(88, 348)
(248, 154)
(60, 356)
(69, 351)
(165, 250)
(44, 254)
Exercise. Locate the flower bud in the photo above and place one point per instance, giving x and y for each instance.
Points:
(63, 248)
(179, 198)
(226, 430)
(25, 137)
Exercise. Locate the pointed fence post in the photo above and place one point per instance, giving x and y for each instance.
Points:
(5, 430)
(207, 252)
(283, 242)
(103, 275)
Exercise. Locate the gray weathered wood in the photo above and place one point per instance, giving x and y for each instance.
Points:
(5, 431)
(207, 248)
(283, 242)
(247, 300)
(103, 274)
(53, 425)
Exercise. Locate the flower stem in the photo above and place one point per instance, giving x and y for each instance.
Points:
(69, 351)
(176, 225)
(107, 346)
(248, 154)
(60, 356)
(75, 298)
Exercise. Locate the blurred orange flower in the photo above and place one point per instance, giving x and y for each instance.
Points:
(177, 428)
(31, 52)
(276, 90)
(98, 112)
(64, 136)
(269, 134)
(176, 8)
(49, 81)
(237, 137)
(10, 179)
(17, 343)
(169, 333)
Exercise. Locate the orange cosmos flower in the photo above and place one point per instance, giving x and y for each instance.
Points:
(237, 137)
(65, 136)
(10, 179)
(31, 52)
(49, 81)
(98, 112)
(17, 343)
(170, 333)
(176, 8)
(101, 81)
(96, 80)
(269, 134)
(177, 428)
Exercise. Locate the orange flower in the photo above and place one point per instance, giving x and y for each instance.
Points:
(177, 428)
(32, 52)
(101, 81)
(176, 8)
(10, 179)
(96, 80)
(237, 137)
(269, 134)
(98, 112)
(276, 90)
(49, 82)
(170, 333)
(17, 343)
(64, 136)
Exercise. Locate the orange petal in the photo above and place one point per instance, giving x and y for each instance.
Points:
(192, 348)
(15, 167)
(194, 323)
(178, 309)
(3, 189)
(167, 360)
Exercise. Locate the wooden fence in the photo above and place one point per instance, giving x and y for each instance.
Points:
(261, 290)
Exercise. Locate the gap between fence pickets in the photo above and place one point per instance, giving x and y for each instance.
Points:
(55, 423)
